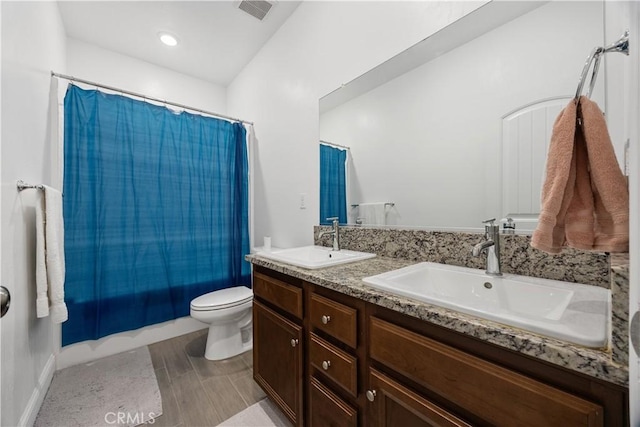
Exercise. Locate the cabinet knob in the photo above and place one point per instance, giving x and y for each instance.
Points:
(326, 364)
(326, 319)
(371, 395)
(294, 342)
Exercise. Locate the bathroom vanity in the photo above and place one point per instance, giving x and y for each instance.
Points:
(329, 350)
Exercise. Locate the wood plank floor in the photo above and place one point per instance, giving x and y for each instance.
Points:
(197, 392)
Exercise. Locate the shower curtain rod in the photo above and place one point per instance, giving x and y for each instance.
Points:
(335, 145)
(148, 98)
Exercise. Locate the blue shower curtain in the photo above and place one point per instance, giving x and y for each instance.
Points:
(155, 212)
(333, 190)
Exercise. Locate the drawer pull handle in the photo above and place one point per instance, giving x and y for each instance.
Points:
(371, 395)
(294, 342)
(326, 364)
(326, 319)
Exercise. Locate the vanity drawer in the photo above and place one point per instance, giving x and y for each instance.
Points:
(478, 386)
(338, 320)
(327, 409)
(334, 363)
(278, 293)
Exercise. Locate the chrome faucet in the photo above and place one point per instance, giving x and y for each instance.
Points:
(491, 246)
(335, 232)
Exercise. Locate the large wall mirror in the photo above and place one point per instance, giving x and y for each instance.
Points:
(455, 129)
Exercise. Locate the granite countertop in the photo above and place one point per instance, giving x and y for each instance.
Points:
(347, 279)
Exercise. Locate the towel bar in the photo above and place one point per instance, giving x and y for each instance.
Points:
(21, 185)
(390, 204)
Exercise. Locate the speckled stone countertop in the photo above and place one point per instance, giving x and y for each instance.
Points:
(347, 279)
(620, 308)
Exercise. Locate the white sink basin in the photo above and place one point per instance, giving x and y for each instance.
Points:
(567, 311)
(313, 257)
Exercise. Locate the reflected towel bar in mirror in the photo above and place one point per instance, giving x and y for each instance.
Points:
(390, 204)
(21, 185)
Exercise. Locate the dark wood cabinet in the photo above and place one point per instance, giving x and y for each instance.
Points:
(328, 410)
(328, 359)
(281, 294)
(497, 395)
(336, 353)
(338, 365)
(278, 360)
(392, 404)
(338, 320)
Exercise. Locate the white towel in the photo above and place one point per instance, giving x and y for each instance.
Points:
(50, 267)
(373, 213)
(42, 286)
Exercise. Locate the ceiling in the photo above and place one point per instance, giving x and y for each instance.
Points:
(216, 39)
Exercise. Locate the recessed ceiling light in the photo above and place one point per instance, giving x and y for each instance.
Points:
(168, 39)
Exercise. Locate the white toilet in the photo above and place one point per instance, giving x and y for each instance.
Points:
(228, 313)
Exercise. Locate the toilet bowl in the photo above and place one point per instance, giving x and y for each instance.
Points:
(228, 313)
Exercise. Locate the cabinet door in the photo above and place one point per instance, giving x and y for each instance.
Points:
(277, 360)
(392, 404)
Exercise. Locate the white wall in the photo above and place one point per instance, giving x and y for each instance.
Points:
(93, 63)
(623, 110)
(616, 73)
(430, 140)
(321, 46)
(103, 66)
(33, 43)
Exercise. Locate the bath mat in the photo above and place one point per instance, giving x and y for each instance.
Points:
(119, 390)
(261, 414)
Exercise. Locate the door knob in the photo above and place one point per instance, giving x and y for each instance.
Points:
(326, 364)
(634, 329)
(294, 342)
(5, 300)
(325, 319)
(371, 395)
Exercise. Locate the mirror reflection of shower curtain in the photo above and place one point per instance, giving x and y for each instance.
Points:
(333, 183)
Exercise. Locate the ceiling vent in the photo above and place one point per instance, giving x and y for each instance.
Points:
(256, 8)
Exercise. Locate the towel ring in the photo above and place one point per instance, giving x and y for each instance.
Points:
(621, 45)
(594, 57)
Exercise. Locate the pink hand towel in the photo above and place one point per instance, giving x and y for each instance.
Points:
(608, 184)
(557, 190)
(585, 199)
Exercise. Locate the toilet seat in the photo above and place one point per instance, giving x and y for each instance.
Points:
(223, 298)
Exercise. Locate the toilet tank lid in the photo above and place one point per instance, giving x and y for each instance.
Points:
(223, 297)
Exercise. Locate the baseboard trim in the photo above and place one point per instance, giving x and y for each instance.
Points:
(30, 412)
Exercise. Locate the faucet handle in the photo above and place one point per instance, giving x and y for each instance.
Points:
(334, 219)
(490, 228)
